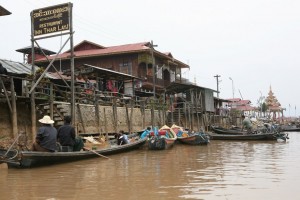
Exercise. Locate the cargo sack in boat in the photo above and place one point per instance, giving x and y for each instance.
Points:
(78, 144)
(157, 143)
(185, 134)
(163, 132)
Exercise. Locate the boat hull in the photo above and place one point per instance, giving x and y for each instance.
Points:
(265, 136)
(287, 128)
(220, 130)
(160, 143)
(196, 139)
(29, 159)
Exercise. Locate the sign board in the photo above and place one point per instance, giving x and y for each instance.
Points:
(51, 19)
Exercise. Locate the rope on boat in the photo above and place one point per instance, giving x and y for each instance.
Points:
(4, 157)
(8, 150)
(204, 136)
(282, 136)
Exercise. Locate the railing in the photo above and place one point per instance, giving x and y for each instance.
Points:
(158, 81)
(49, 91)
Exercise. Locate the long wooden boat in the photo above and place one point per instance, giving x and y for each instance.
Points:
(259, 136)
(290, 128)
(231, 131)
(164, 139)
(29, 159)
(194, 139)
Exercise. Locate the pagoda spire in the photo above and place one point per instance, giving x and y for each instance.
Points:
(273, 104)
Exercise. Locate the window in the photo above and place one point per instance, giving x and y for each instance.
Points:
(126, 67)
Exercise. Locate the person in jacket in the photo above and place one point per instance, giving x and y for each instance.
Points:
(66, 135)
(146, 133)
(45, 139)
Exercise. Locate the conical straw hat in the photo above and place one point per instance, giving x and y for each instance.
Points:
(165, 127)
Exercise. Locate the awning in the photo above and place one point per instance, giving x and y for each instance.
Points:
(93, 71)
(37, 50)
(182, 87)
(3, 11)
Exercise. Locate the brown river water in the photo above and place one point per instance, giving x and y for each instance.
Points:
(222, 170)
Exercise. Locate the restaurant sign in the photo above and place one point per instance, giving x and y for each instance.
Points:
(51, 19)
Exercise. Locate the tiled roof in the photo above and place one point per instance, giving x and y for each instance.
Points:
(245, 108)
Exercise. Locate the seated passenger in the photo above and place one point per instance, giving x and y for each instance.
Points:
(121, 139)
(146, 133)
(66, 136)
(45, 139)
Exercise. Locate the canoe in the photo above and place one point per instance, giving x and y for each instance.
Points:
(258, 136)
(194, 139)
(186, 137)
(29, 159)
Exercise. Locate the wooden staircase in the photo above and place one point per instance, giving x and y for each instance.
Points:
(58, 112)
(178, 117)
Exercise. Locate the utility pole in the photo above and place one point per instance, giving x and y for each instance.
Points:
(217, 77)
(153, 66)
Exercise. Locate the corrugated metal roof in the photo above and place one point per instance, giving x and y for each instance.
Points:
(60, 75)
(13, 67)
(182, 87)
(104, 51)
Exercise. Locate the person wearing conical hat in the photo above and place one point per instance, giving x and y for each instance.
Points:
(45, 139)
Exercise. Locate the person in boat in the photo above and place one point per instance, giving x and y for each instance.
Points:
(146, 133)
(66, 135)
(246, 124)
(45, 139)
(122, 138)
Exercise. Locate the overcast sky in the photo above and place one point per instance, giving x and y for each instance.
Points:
(256, 43)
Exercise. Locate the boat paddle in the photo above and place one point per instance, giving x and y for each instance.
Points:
(95, 152)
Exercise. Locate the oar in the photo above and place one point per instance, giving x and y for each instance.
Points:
(95, 152)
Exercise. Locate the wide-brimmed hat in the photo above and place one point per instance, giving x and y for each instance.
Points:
(46, 120)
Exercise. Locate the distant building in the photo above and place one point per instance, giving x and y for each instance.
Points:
(243, 106)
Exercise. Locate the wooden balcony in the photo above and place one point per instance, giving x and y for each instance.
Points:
(158, 82)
